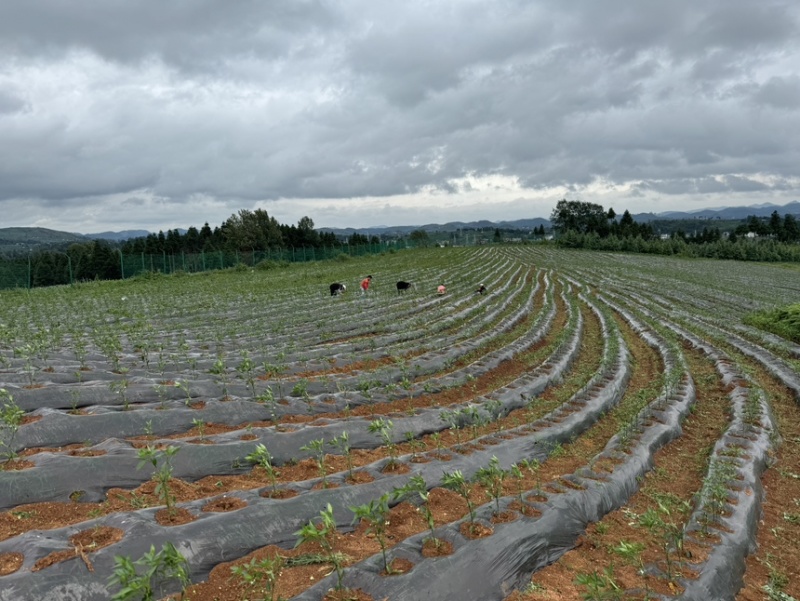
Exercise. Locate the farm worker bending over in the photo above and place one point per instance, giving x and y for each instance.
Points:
(441, 289)
(365, 284)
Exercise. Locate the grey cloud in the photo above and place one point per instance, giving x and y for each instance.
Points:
(201, 34)
(253, 101)
(744, 184)
(780, 92)
(10, 103)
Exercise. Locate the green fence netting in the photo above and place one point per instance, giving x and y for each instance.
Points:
(53, 268)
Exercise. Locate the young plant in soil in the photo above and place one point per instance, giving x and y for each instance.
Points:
(415, 444)
(661, 524)
(453, 419)
(516, 473)
(631, 552)
(10, 421)
(342, 442)
(262, 457)
(533, 466)
(74, 399)
(456, 482)
(184, 385)
(318, 448)
(246, 370)
(273, 371)
(383, 427)
(300, 389)
(161, 461)
(322, 533)
(416, 486)
(159, 567)
(28, 352)
(600, 586)
(436, 437)
(120, 387)
(476, 420)
(491, 478)
(201, 427)
(161, 391)
(219, 369)
(494, 408)
(261, 577)
(376, 515)
(268, 399)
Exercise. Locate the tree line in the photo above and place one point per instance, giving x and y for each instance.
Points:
(588, 225)
(243, 231)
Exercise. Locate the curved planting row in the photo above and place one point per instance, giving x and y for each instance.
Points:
(409, 445)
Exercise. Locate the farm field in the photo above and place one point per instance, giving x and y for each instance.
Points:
(594, 426)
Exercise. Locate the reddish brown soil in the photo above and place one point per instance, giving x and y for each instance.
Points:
(405, 519)
(174, 517)
(83, 542)
(678, 474)
(223, 504)
(10, 563)
(436, 547)
(777, 558)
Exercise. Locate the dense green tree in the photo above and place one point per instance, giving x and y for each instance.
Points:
(420, 238)
(251, 230)
(578, 216)
(790, 231)
(776, 225)
(357, 239)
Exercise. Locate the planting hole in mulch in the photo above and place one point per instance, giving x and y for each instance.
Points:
(10, 563)
(224, 504)
(537, 497)
(475, 530)
(83, 542)
(436, 547)
(524, 509)
(347, 595)
(279, 493)
(504, 517)
(398, 566)
(324, 485)
(395, 468)
(360, 477)
(175, 517)
(15, 465)
(87, 453)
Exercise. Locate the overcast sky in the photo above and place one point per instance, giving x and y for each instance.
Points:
(157, 114)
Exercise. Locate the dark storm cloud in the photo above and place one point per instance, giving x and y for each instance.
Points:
(196, 34)
(252, 101)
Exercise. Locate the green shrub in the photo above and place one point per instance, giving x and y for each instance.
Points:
(266, 265)
(783, 321)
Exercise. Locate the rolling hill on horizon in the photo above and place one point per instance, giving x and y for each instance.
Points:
(20, 240)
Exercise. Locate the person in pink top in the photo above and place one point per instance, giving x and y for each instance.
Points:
(441, 289)
(365, 284)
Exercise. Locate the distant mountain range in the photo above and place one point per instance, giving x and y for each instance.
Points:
(23, 239)
(121, 236)
(452, 226)
(724, 213)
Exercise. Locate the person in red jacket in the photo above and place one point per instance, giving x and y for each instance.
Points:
(365, 284)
